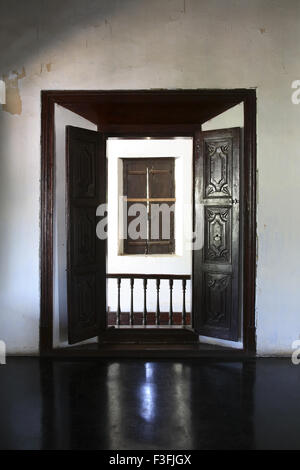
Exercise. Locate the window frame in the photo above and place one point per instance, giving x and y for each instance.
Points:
(152, 247)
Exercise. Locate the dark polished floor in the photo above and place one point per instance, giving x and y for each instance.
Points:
(137, 404)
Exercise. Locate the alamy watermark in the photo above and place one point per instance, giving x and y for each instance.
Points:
(296, 352)
(148, 221)
(296, 94)
(2, 353)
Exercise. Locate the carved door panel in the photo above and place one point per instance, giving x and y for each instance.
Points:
(216, 263)
(86, 254)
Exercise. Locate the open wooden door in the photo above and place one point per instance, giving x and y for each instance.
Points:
(86, 254)
(216, 264)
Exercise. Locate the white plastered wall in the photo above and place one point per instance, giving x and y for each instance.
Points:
(137, 44)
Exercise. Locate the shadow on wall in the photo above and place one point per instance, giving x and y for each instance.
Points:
(28, 27)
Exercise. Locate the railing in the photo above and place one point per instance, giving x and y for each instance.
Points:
(182, 318)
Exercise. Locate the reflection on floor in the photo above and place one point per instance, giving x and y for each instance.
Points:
(139, 404)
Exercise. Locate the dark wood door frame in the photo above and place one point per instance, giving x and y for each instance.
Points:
(73, 100)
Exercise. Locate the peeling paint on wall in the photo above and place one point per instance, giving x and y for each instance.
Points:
(44, 67)
(13, 103)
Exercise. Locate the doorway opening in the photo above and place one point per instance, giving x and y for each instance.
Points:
(186, 150)
(149, 265)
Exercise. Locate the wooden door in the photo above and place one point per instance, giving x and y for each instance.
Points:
(86, 254)
(216, 263)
